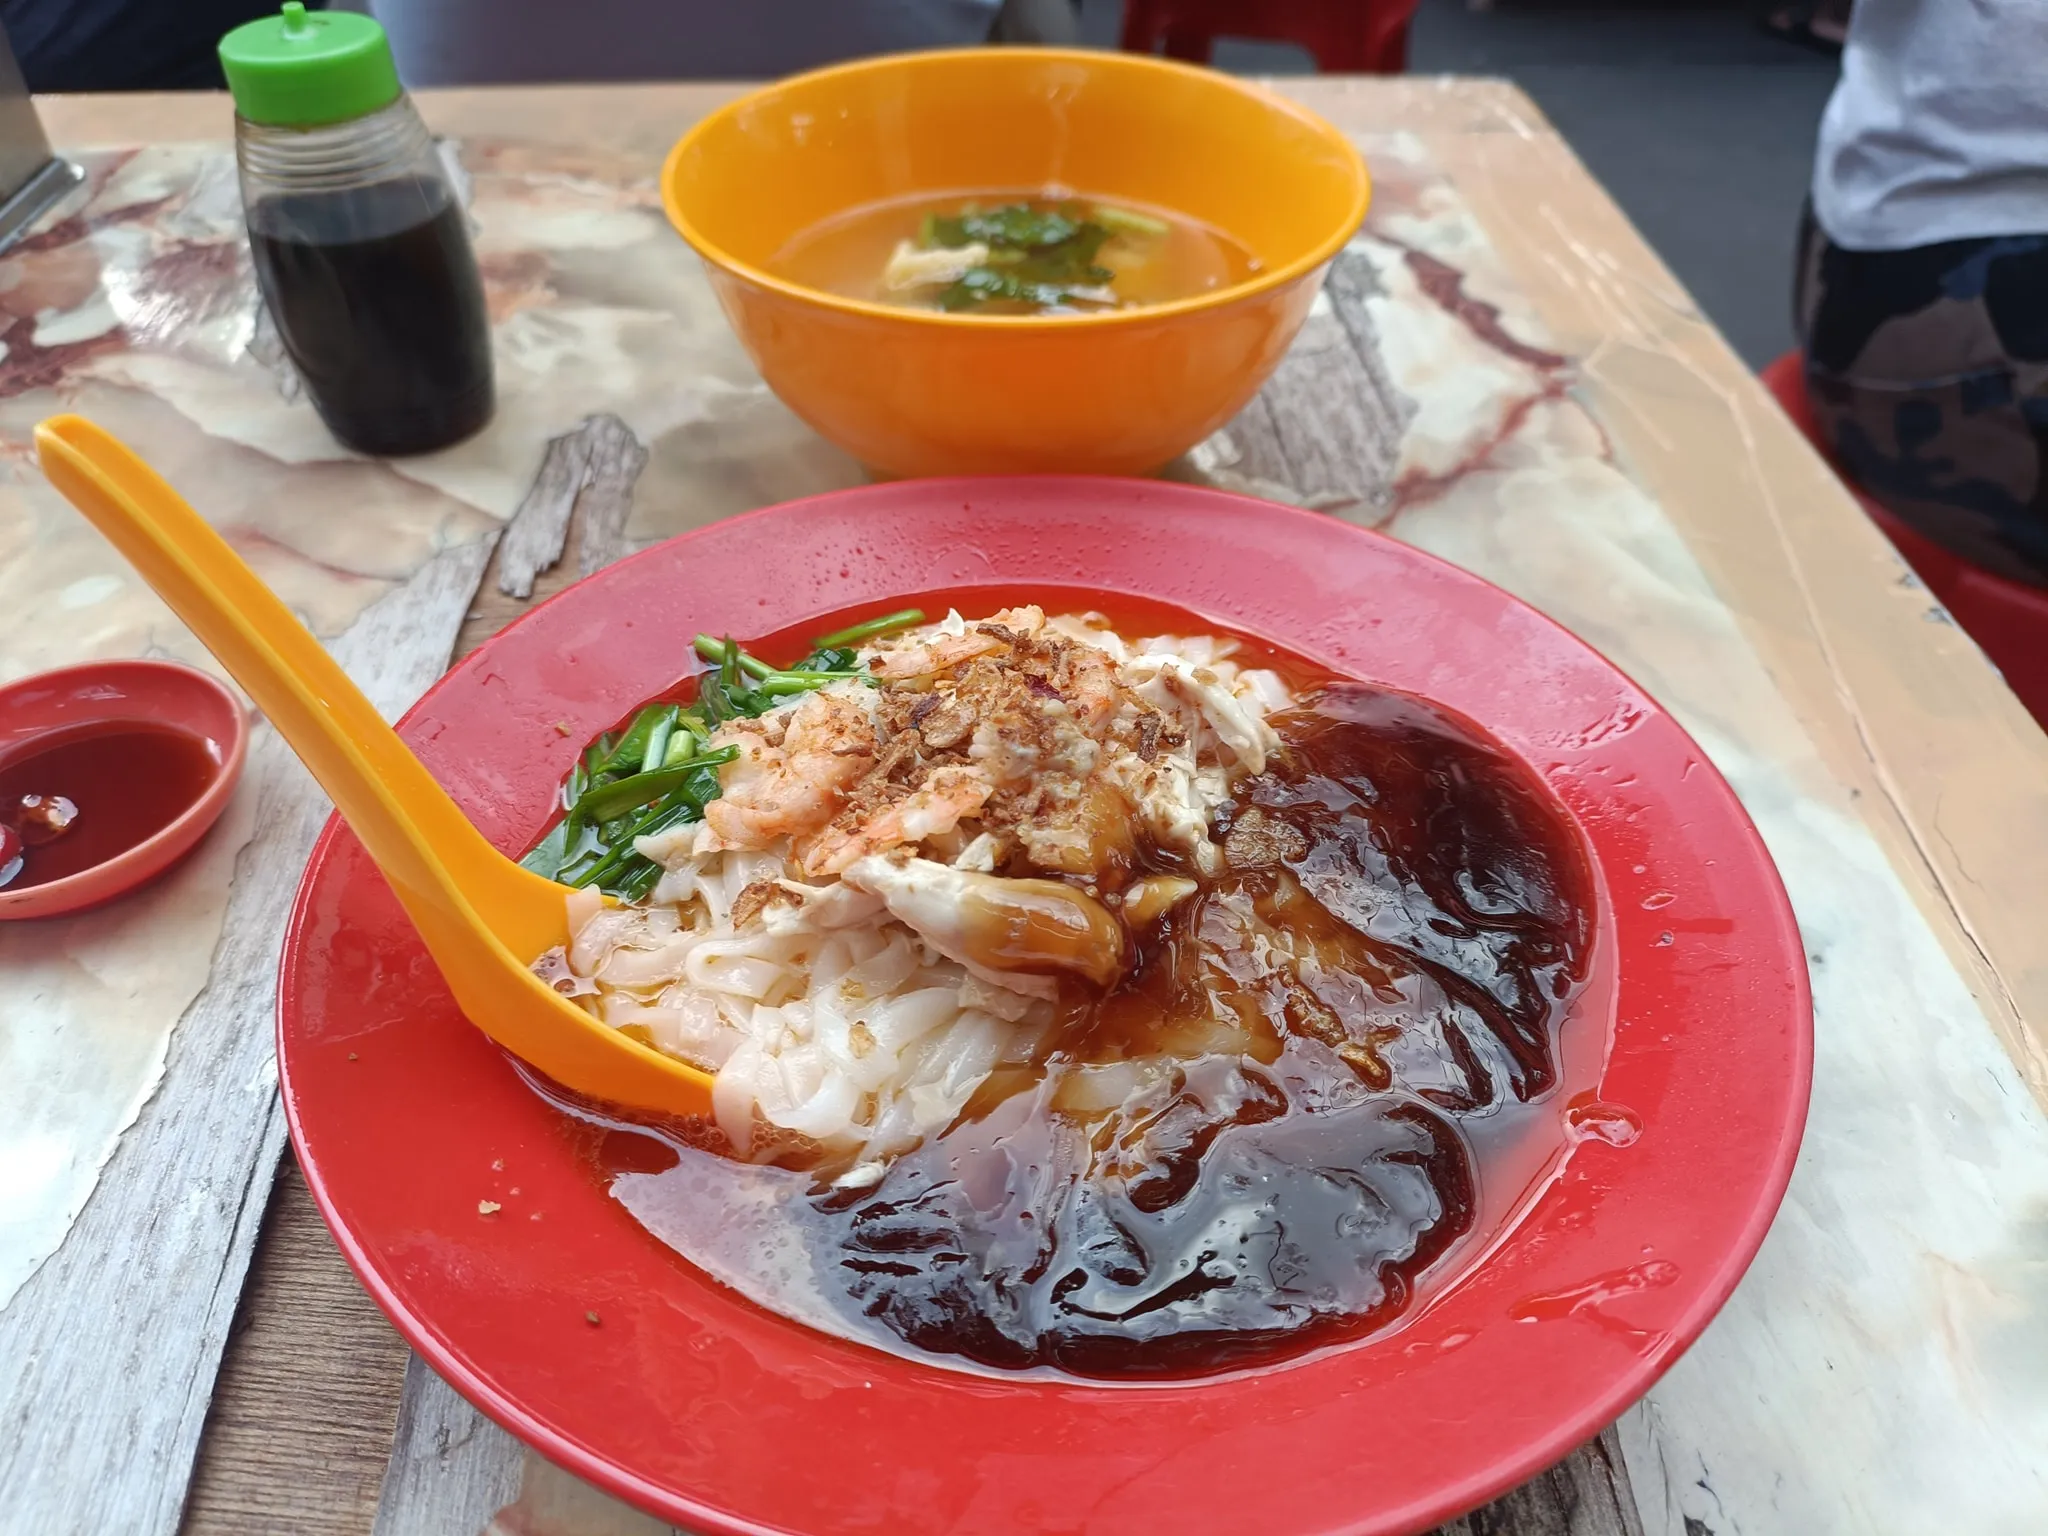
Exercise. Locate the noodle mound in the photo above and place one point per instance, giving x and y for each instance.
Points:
(906, 878)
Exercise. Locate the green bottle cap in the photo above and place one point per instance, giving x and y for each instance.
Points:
(304, 71)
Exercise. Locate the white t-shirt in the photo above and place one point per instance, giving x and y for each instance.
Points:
(1938, 129)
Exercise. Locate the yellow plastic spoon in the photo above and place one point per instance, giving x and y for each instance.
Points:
(483, 917)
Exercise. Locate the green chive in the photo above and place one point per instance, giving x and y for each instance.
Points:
(610, 801)
(659, 819)
(626, 756)
(636, 878)
(887, 623)
(713, 651)
(783, 684)
(656, 755)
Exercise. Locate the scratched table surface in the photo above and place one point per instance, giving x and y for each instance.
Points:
(1500, 372)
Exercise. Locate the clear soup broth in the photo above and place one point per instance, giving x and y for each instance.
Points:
(1014, 253)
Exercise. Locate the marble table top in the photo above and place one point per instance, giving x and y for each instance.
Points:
(1499, 373)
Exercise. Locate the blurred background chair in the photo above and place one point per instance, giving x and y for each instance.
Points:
(1343, 36)
(2007, 619)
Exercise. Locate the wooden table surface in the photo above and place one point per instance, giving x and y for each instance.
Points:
(320, 1422)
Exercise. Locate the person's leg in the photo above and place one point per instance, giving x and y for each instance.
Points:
(1928, 371)
(2016, 298)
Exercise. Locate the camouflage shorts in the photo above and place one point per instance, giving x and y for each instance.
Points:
(1928, 369)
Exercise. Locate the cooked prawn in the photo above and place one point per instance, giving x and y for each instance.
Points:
(951, 644)
(794, 788)
(1092, 687)
(936, 807)
(933, 657)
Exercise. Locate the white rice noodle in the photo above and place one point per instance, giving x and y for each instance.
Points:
(824, 1017)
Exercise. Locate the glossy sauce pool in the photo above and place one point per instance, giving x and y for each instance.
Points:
(129, 779)
(1333, 1077)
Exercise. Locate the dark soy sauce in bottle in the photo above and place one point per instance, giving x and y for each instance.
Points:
(360, 246)
(376, 297)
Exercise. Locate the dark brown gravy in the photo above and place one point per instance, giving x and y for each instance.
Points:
(1295, 1067)
(1324, 1072)
(129, 779)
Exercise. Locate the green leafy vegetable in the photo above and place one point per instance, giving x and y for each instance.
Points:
(1037, 256)
(830, 658)
(548, 856)
(655, 754)
(632, 747)
(979, 285)
(713, 650)
(622, 862)
(1017, 225)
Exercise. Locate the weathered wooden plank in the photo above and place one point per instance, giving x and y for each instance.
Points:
(1326, 430)
(1586, 1494)
(451, 1469)
(145, 1286)
(274, 1422)
(594, 468)
(582, 495)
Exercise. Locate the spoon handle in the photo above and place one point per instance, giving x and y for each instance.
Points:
(482, 917)
(426, 848)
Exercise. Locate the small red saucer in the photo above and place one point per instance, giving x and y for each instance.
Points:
(162, 693)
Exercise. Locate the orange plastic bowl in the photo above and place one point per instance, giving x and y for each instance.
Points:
(916, 392)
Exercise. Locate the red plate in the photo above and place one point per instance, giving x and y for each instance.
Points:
(694, 1404)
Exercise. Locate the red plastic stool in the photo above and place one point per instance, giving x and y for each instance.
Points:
(1345, 36)
(2008, 619)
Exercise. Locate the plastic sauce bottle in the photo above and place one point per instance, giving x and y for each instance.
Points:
(360, 244)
